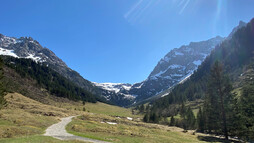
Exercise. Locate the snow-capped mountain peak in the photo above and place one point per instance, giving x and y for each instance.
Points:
(116, 87)
(26, 47)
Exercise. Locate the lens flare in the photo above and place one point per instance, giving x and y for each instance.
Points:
(220, 15)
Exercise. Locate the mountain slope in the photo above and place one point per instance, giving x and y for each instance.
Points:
(178, 64)
(40, 80)
(26, 47)
(236, 54)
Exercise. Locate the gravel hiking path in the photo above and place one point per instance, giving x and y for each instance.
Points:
(58, 131)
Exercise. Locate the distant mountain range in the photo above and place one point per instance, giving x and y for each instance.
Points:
(172, 69)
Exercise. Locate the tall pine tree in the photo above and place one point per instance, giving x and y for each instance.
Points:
(218, 103)
(201, 120)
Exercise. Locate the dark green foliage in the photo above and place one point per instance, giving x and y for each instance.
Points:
(188, 119)
(154, 118)
(245, 127)
(142, 108)
(172, 121)
(146, 118)
(183, 110)
(2, 100)
(201, 120)
(151, 117)
(49, 79)
(218, 108)
(147, 108)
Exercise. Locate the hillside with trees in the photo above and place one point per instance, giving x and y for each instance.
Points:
(213, 83)
(44, 78)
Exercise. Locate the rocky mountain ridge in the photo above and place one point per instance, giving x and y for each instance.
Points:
(27, 47)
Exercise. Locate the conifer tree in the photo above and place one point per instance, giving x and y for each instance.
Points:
(191, 119)
(201, 120)
(146, 117)
(172, 121)
(218, 104)
(142, 108)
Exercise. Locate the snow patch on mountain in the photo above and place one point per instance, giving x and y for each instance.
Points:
(140, 85)
(179, 53)
(197, 62)
(118, 88)
(174, 66)
(185, 78)
(109, 86)
(33, 57)
(8, 52)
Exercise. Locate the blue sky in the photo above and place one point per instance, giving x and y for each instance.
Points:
(119, 40)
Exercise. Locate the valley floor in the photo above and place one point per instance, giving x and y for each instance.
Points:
(25, 120)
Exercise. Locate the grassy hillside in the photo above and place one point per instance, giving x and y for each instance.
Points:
(24, 119)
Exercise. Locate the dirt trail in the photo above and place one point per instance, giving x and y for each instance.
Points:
(58, 131)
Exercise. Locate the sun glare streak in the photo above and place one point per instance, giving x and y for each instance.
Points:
(184, 6)
(134, 7)
(220, 4)
(144, 9)
(138, 12)
(138, 9)
(218, 11)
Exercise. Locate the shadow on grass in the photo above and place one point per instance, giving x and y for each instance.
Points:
(215, 139)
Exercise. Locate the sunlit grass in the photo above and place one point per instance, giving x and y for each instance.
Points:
(126, 131)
